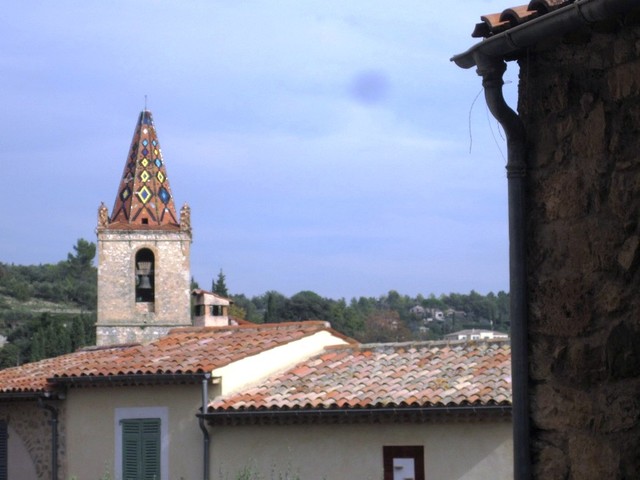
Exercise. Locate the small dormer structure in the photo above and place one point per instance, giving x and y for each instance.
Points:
(210, 309)
(143, 250)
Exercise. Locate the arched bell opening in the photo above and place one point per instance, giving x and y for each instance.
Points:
(145, 277)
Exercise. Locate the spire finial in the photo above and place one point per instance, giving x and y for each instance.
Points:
(145, 103)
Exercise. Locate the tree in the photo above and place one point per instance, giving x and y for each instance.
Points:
(83, 258)
(384, 326)
(9, 356)
(345, 319)
(219, 286)
(80, 276)
(275, 307)
(307, 305)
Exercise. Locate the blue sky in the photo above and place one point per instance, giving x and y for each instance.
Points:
(322, 145)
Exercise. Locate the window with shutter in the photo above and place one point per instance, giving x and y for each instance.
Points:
(141, 449)
(4, 451)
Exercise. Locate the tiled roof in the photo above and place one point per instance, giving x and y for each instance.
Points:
(495, 23)
(508, 33)
(183, 351)
(386, 375)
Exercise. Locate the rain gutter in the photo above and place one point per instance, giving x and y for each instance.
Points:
(138, 378)
(206, 439)
(352, 412)
(557, 22)
(25, 395)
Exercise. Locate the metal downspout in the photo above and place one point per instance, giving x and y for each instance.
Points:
(491, 70)
(54, 437)
(203, 427)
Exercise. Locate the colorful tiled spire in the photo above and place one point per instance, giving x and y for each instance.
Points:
(144, 199)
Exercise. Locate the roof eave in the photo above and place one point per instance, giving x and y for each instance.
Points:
(423, 413)
(557, 22)
(29, 395)
(129, 379)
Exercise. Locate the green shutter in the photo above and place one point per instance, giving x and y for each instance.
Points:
(141, 449)
(151, 449)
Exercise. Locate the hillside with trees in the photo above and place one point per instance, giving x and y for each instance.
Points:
(48, 310)
(387, 318)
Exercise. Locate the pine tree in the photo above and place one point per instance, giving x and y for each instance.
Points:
(219, 286)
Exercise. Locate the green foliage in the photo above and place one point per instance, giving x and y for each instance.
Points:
(274, 311)
(48, 310)
(245, 308)
(306, 305)
(73, 280)
(47, 335)
(219, 286)
(388, 318)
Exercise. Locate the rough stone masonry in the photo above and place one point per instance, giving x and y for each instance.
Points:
(580, 103)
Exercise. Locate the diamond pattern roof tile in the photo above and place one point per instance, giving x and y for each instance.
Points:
(144, 199)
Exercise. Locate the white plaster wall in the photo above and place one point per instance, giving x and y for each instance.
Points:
(251, 370)
(453, 451)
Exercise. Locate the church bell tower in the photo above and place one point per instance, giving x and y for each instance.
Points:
(143, 250)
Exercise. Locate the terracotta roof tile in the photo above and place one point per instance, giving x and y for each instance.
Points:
(183, 350)
(418, 374)
(495, 23)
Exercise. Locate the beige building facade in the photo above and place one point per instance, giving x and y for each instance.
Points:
(453, 450)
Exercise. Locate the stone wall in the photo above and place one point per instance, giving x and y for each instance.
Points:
(33, 426)
(120, 318)
(580, 103)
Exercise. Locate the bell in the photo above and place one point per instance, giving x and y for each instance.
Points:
(144, 284)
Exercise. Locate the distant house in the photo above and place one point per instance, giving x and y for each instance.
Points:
(476, 334)
(294, 398)
(211, 309)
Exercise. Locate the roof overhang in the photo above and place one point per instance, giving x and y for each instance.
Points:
(129, 379)
(508, 44)
(30, 396)
(399, 414)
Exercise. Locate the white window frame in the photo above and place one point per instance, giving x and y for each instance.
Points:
(133, 413)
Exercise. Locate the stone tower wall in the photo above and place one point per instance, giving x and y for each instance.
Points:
(580, 103)
(120, 318)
